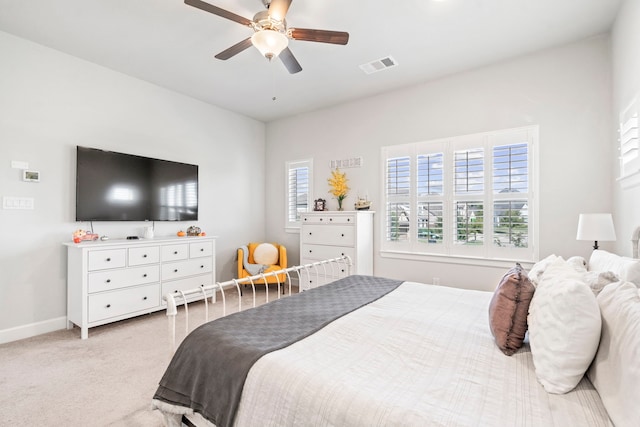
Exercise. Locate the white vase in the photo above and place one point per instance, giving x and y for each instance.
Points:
(148, 232)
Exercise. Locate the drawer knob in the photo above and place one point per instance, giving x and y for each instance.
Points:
(175, 252)
(108, 280)
(144, 256)
(175, 292)
(175, 271)
(201, 249)
(342, 253)
(144, 299)
(144, 275)
(310, 233)
(342, 235)
(348, 219)
(321, 219)
(108, 305)
(202, 266)
(108, 259)
(330, 219)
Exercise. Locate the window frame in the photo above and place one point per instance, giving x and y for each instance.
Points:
(488, 253)
(294, 226)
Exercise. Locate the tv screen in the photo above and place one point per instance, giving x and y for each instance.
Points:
(114, 186)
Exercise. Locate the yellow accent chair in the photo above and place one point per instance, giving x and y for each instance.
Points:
(275, 261)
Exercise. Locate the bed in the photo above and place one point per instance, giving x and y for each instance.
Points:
(368, 351)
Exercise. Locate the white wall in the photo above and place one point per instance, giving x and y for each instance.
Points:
(625, 42)
(565, 90)
(49, 103)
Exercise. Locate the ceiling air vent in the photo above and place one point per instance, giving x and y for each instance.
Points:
(378, 65)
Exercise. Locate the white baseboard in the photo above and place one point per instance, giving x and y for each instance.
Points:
(32, 329)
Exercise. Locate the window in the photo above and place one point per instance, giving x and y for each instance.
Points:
(464, 196)
(629, 159)
(298, 198)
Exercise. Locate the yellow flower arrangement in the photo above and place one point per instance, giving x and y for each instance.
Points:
(339, 187)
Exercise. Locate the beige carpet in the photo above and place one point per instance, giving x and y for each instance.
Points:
(57, 379)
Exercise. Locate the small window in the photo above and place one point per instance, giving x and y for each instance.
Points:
(298, 190)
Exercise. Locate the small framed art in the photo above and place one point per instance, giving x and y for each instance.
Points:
(320, 205)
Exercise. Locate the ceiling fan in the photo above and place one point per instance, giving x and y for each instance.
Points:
(271, 34)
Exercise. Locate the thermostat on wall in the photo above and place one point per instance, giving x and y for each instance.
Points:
(31, 176)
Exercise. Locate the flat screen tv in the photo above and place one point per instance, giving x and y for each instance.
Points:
(114, 186)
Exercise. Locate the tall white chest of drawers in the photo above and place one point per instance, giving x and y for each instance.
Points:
(115, 280)
(331, 234)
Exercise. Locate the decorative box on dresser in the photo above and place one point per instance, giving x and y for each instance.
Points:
(114, 280)
(331, 234)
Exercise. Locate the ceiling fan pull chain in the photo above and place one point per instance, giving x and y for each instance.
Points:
(273, 81)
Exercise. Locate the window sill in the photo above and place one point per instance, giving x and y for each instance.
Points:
(452, 259)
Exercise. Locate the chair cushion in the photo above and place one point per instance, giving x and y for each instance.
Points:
(265, 253)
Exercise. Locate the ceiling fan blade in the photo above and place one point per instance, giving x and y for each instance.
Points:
(278, 9)
(323, 36)
(290, 61)
(218, 11)
(235, 49)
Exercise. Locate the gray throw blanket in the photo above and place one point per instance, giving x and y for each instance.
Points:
(208, 371)
(253, 269)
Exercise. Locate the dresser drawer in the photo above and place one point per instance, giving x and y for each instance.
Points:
(175, 252)
(337, 235)
(108, 258)
(177, 270)
(328, 219)
(145, 255)
(200, 249)
(118, 303)
(114, 279)
(174, 286)
(320, 252)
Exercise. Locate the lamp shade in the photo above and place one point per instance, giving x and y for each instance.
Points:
(596, 226)
(269, 42)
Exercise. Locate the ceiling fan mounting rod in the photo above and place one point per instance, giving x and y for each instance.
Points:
(262, 21)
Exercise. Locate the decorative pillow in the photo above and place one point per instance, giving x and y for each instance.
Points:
(508, 310)
(564, 328)
(627, 269)
(536, 272)
(265, 253)
(578, 263)
(597, 280)
(615, 371)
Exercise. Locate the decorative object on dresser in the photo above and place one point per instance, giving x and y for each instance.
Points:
(114, 280)
(339, 187)
(320, 205)
(326, 235)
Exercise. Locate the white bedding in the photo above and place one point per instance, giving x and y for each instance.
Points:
(422, 355)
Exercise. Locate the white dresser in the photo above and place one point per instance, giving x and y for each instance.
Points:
(117, 279)
(331, 234)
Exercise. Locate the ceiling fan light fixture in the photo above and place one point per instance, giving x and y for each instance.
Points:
(269, 42)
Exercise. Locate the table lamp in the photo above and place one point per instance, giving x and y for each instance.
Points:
(596, 227)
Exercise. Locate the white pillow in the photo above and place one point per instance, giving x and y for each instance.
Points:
(627, 269)
(536, 272)
(564, 328)
(266, 254)
(615, 371)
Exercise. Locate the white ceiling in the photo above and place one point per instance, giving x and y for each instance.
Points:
(172, 45)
